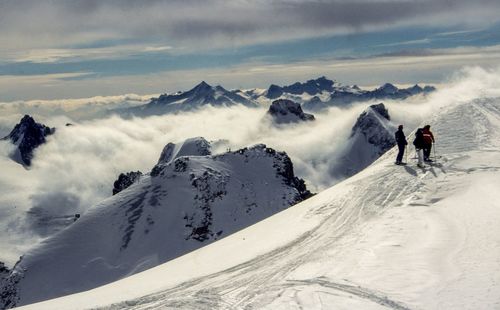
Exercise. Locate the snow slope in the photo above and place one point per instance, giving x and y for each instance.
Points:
(396, 237)
(183, 204)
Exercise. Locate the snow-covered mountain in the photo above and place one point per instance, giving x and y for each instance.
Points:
(201, 95)
(283, 111)
(390, 237)
(371, 136)
(27, 135)
(189, 200)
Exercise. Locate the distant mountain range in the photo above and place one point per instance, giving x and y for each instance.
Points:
(313, 95)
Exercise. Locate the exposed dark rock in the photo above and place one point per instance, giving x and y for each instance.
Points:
(371, 136)
(286, 111)
(4, 271)
(369, 124)
(125, 180)
(9, 280)
(27, 135)
(274, 92)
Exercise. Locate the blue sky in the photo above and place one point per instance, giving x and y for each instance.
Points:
(68, 49)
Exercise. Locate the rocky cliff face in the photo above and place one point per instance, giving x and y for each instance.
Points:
(373, 124)
(125, 180)
(27, 136)
(186, 202)
(371, 136)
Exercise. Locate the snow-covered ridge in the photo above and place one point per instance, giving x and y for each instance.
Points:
(390, 237)
(186, 202)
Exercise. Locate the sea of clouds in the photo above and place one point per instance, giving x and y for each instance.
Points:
(76, 168)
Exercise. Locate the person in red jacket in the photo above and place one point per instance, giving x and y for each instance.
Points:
(428, 140)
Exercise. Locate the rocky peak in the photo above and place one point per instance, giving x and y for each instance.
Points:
(125, 180)
(388, 88)
(374, 124)
(27, 135)
(415, 89)
(274, 91)
(202, 88)
(287, 111)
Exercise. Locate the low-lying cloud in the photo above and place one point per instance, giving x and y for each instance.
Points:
(76, 168)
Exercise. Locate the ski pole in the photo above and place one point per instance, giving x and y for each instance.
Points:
(406, 155)
(434, 148)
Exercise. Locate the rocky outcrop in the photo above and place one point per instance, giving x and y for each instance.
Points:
(27, 136)
(283, 111)
(125, 180)
(9, 280)
(371, 136)
(373, 125)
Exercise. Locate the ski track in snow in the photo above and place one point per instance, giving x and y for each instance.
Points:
(364, 254)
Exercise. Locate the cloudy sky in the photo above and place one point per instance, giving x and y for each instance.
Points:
(82, 48)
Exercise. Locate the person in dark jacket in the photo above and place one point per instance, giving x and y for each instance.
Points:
(419, 146)
(401, 142)
(428, 140)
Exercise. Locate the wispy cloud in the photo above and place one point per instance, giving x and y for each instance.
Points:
(52, 55)
(410, 42)
(218, 23)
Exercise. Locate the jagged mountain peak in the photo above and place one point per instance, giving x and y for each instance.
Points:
(372, 121)
(388, 88)
(202, 87)
(27, 135)
(380, 109)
